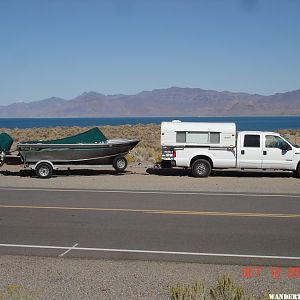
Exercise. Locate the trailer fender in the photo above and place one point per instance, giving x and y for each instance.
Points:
(43, 161)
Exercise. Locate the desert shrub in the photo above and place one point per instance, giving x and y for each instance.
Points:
(19, 292)
(224, 289)
(293, 135)
(228, 289)
(194, 291)
(129, 157)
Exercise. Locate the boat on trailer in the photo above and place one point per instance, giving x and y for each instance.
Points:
(89, 148)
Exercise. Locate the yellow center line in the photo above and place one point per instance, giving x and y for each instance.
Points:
(158, 211)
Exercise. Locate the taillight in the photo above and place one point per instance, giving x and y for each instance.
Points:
(174, 153)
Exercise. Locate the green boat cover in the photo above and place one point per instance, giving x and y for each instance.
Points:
(5, 142)
(93, 135)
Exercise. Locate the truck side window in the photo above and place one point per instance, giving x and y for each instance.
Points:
(180, 137)
(273, 141)
(252, 140)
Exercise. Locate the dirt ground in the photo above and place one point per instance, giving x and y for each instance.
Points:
(149, 178)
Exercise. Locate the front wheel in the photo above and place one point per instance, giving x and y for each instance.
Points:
(201, 168)
(44, 170)
(120, 164)
(297, 172)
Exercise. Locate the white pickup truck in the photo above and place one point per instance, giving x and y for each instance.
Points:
(206, 146)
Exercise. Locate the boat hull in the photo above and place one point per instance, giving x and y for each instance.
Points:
(76, 154)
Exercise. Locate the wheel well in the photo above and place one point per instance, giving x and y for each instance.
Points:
(201, 157)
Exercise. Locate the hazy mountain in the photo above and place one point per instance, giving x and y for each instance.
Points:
(173, 101)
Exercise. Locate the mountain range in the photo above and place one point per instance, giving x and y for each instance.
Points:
(174, 101)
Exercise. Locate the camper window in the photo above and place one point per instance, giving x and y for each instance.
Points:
(180, 137)
(197, 137)
(215, 137)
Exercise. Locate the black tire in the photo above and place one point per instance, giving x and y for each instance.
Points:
(201, 168)
(165, 164)
(297, 172)
(44, 170)
(120, 164)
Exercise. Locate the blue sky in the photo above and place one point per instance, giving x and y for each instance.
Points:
(65, 47)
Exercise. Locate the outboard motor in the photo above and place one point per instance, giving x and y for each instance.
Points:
(5, 144)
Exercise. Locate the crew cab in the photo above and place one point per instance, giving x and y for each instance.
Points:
(204, 146)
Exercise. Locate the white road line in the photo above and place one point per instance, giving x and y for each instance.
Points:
(64, 253)
(150, 192)
(154, 252)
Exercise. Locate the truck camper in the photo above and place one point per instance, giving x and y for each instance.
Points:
(204, 146)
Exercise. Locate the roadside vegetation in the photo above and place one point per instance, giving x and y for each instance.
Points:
(148, 151)
(18, 292)
(224, 289)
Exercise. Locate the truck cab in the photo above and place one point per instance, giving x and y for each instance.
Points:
(266, 150)
(204, 146)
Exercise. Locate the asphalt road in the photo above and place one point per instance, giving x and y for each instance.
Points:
(257, 229)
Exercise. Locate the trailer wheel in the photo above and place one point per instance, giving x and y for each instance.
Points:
(44, 170)
(201, 168)
(120, 164)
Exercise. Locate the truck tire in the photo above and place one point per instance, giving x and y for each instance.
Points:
(165, 164)
(201, 168)
(297, 172)
(120, 164)
(44, 170)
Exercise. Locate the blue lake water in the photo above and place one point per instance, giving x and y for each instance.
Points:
(243, 123)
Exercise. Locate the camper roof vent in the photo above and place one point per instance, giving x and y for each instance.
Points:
(176, 121)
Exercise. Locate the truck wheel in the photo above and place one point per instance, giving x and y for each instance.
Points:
(165, 164)
(297, 172)
(120, 164)
(201, 168)
(44, 170)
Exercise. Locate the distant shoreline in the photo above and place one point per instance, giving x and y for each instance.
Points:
(145, 117)
(267, 123)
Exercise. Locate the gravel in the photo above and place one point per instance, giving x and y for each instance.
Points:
(65, 278)
(142, 178)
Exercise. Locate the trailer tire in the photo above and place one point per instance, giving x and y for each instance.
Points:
(201, 168)
(120, 164)
(44, 170)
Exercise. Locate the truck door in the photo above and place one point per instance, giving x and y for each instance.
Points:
(277, 153)
(249, 152)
